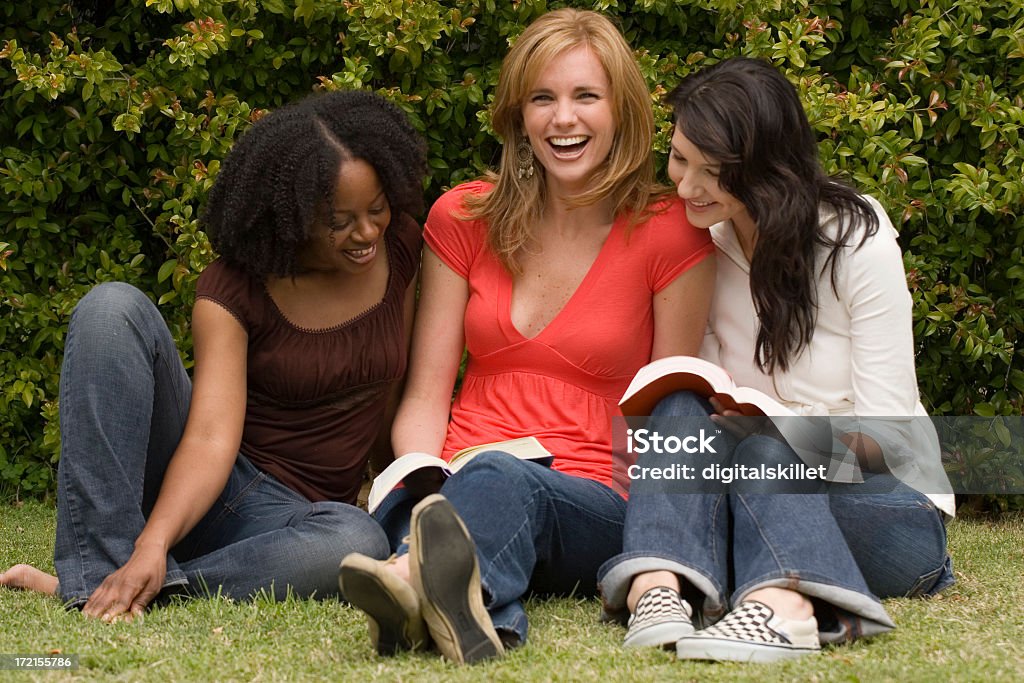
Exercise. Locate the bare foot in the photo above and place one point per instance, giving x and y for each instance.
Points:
(646, 581)
(26, 577)
(400, 568)
(788, 604)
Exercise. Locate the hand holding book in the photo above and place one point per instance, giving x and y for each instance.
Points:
(741, 425)
(664, 376)
(423, 473)
(812, 438)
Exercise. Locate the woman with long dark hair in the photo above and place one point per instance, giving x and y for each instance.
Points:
(811, 307)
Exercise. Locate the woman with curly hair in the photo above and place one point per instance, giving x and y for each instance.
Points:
(811, 307)
(245, 479)
(562, 274)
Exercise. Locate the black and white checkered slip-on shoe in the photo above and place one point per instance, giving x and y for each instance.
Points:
(661, 618)
(752, 633)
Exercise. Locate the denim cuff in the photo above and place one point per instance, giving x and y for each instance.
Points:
(616, 576)
(73, 602)
(77, 600)
(944, 580)
(858, 615)
(509, 620)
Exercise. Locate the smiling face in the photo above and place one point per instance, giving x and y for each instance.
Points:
(568, 118)
(696, 179)
(347, 239)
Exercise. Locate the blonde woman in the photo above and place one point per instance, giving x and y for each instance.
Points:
(562, 273)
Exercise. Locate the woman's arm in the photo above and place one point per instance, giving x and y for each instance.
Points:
(868, 452)
(681, 311)
(199, 468)
(874, 291)
(437, 345)
(381, 453)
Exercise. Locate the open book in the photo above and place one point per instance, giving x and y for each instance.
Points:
(525, 448)
(813, 439)
(664, 376)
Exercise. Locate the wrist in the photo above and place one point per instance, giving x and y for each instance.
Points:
(151, 542)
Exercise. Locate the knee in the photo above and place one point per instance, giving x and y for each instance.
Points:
(493, 478)
(109, 306)
(347, 529)
(493, 464)
(110, 296)
(682, 404)
(764, 450)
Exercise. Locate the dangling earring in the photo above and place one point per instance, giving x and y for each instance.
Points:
(524, 159)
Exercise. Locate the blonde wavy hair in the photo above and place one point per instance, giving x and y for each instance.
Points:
(626, 178)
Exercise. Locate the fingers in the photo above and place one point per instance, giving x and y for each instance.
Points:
(116, 600)
(142, 601)
(106, 604)
(734, 423)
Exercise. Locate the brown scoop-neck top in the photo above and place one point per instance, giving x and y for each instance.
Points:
(316, 398)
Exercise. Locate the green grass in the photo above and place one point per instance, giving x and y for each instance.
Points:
(973, 632)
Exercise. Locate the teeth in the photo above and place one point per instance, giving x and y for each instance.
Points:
(358, 253)
(565, 142)
(700, 204)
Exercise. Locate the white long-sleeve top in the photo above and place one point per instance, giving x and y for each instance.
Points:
(860, 360)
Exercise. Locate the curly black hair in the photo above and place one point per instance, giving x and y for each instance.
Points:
(280, 175)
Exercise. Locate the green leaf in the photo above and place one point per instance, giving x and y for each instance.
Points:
(166, 270)
(23, 126)
(1001, 432)
(127, 122)
(985, 410)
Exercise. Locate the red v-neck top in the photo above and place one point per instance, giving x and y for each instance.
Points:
(563, 385)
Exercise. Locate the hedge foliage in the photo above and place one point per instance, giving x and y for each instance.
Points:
(114, 117)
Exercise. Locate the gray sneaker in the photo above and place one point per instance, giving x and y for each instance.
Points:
(446, 576)
(391, 605)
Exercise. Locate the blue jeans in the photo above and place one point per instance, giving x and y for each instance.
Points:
(124, 398)
(844, 548)
(536, 531)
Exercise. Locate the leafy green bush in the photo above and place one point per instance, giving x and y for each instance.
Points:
(114, 117)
